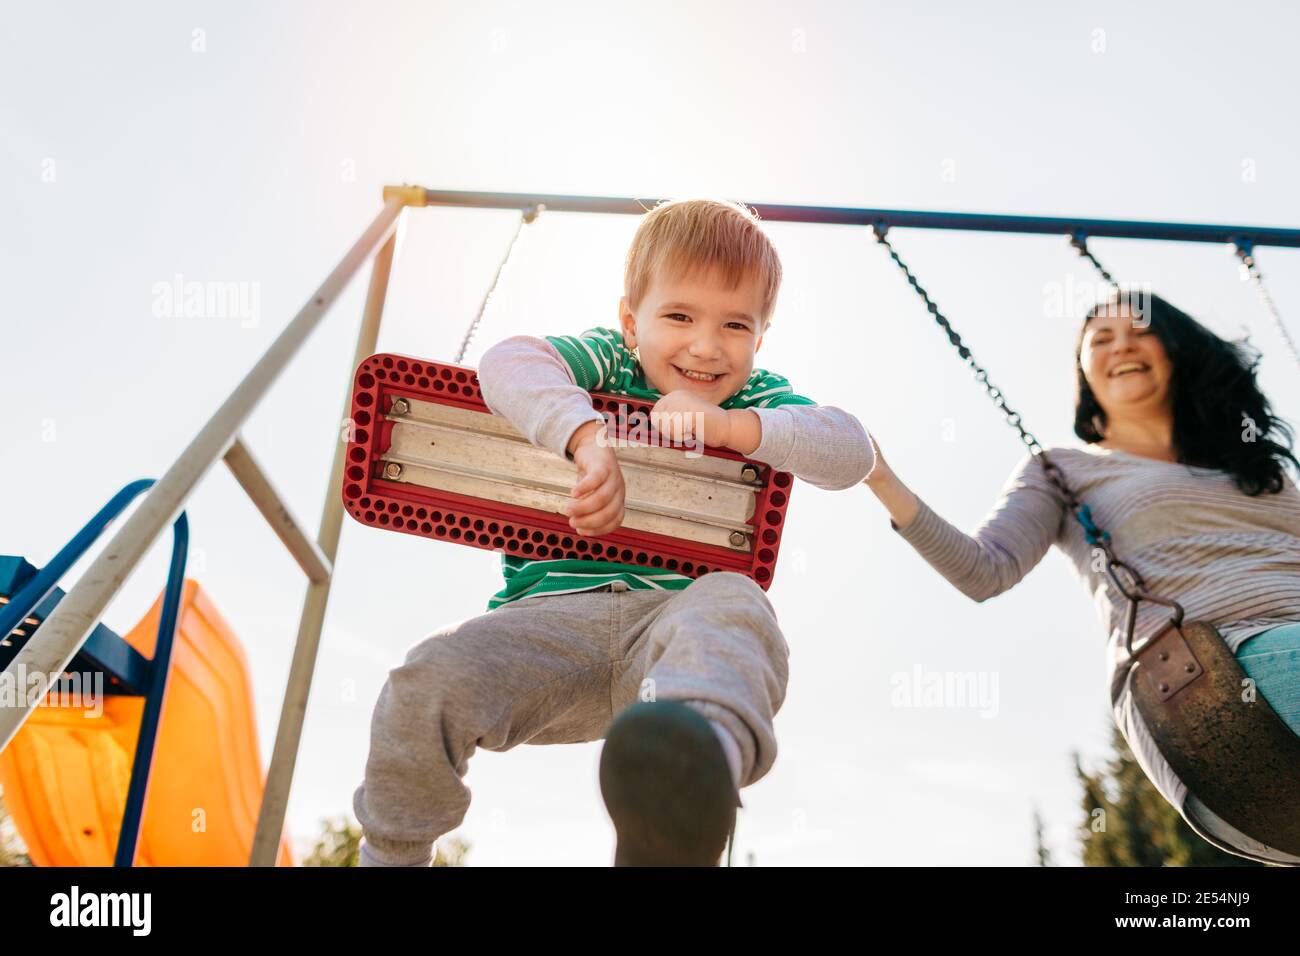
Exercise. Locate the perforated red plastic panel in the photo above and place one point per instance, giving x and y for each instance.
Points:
(527, 532)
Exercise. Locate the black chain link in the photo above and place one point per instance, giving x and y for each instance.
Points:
(1080, 243)
(981, 373)
(1246, 253)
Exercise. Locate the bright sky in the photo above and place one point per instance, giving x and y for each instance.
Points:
(130, 156)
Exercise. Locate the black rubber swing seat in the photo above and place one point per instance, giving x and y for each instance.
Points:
(1230, 747)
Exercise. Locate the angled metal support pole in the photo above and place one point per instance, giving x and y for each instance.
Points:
(254, 481)
(279, 778)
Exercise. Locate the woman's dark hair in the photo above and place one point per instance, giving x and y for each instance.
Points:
(1216, 402)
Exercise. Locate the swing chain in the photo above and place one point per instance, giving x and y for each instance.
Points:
(1134, 589)
(1079, 240)
(981, 373)
(1246, 253)
(527, 216)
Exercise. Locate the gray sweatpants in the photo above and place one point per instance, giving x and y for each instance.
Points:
(557, 669)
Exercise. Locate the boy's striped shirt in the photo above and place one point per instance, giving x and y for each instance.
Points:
(601, 362)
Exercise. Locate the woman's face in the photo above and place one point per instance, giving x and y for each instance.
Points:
(1125, 364)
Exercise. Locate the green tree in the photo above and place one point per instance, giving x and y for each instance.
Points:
(339, 844)
(1128, 823)
(1042, 854)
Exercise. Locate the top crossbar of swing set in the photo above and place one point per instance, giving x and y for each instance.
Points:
(64, 631)
(853, 216)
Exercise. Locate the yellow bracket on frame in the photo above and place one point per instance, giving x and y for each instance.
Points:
(409, 195)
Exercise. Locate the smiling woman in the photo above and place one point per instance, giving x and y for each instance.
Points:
(1187, 471)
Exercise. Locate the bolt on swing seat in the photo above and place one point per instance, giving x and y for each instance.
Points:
(1231, 749)
(427, 457)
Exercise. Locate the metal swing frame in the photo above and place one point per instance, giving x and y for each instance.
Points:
(62, 634)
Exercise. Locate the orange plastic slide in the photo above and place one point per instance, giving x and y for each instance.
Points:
(65, 774)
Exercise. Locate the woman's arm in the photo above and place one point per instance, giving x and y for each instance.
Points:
(1006, 546)
(898, 499)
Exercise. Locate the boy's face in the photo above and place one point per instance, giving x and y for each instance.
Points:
(696, 325)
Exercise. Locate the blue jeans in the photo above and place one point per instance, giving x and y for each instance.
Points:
(1272, 661)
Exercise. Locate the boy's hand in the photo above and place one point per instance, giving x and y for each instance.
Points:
(681, 415)
(596, 506)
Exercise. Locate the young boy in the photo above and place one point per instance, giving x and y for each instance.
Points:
(690, 672)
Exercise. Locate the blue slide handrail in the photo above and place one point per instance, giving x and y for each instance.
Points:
(39, 586)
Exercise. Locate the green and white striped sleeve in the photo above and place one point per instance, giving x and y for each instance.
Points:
(769, 390)
(592, 357)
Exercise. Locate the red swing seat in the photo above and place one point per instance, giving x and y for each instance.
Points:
(426, 457)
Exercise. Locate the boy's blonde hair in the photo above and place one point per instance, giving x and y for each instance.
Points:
(687, 236)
